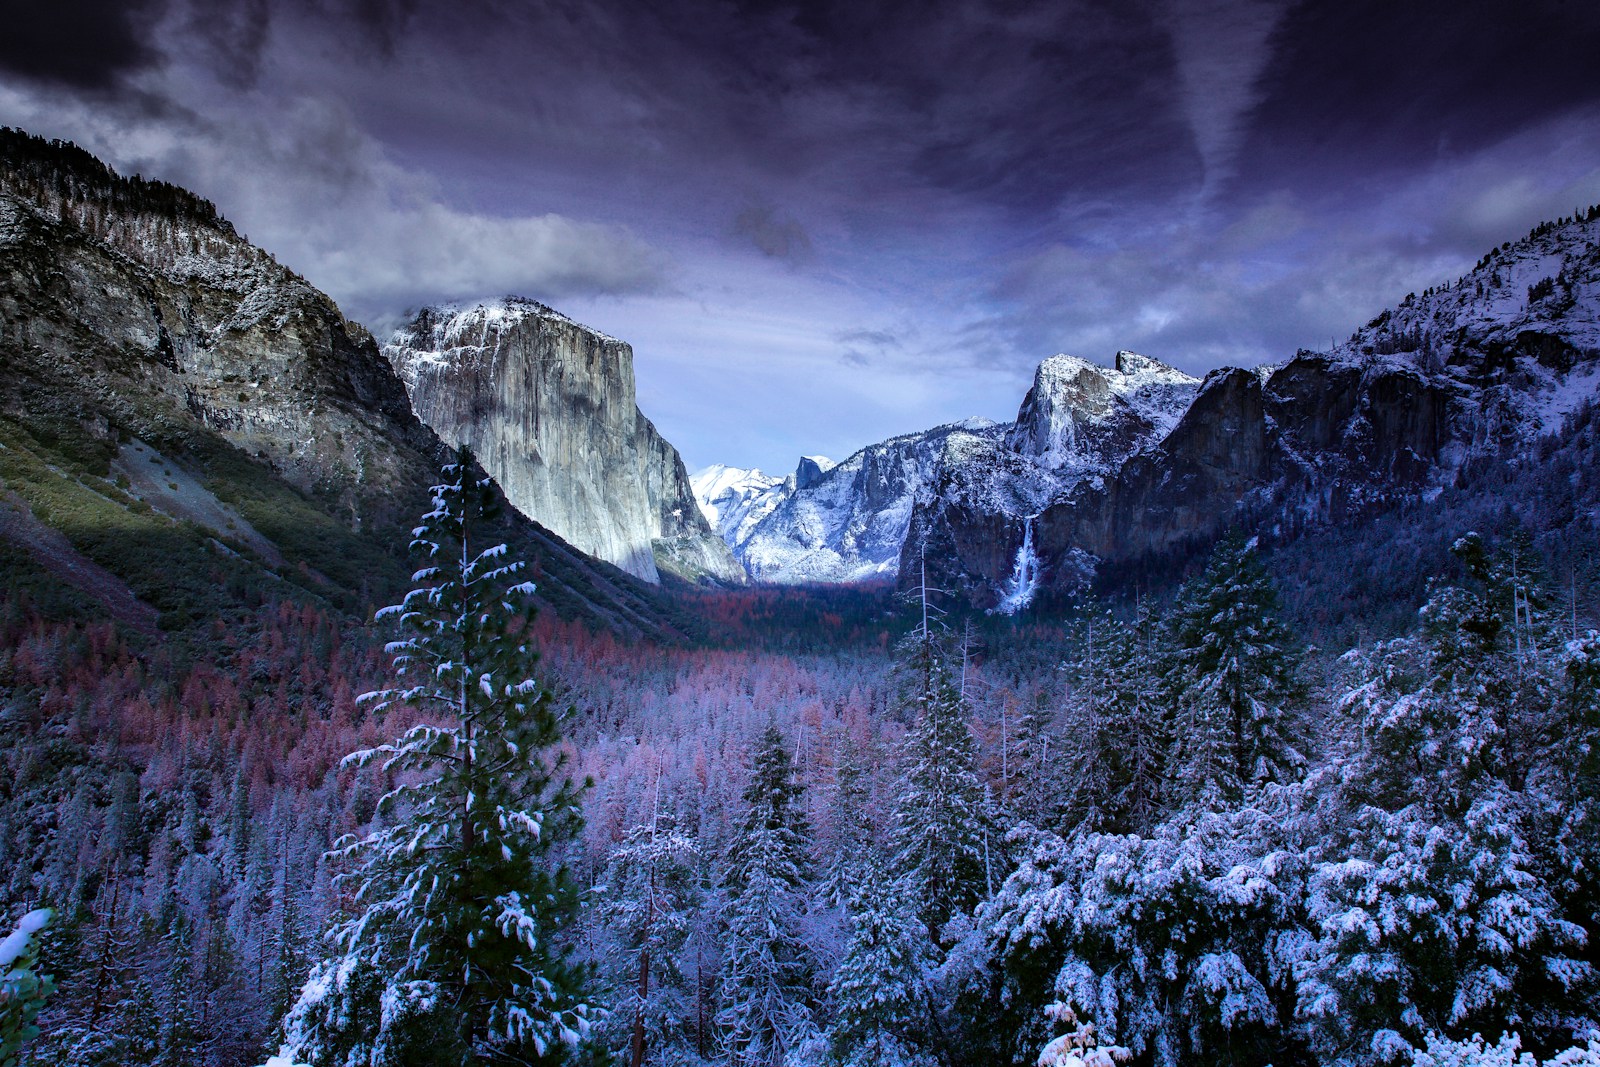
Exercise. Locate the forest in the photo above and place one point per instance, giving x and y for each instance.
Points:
(846, 826)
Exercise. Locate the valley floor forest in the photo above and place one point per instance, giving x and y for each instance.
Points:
(844, 826)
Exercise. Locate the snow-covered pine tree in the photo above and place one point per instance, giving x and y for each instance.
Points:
(879, 995)
(851, 823)
(1451, 896)
(946, 852)
(767, 975)
(1117, 744)
(1233, 681)
(649, 899)
(453, 953)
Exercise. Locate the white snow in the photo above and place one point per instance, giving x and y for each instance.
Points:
(471, 327)
(1567, 396)
(720, 485)
(16, 943)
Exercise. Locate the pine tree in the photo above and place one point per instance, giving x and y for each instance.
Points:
(852, 826)
(454, 954)
(945, 851)
(1234, 681)
(767, 976)
(181, 1036)
(880, 994)
(649, 899)
(1116, 749)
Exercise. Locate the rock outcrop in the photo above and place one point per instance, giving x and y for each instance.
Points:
(141, 295)
(197, 419)
(548, 407)
(983, 479)
(1476, 369)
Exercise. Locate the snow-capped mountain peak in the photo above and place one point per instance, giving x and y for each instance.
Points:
(721, 486)
(1078, 415)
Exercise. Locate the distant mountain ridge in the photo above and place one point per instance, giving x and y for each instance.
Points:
(1119, 467)
(851, 521)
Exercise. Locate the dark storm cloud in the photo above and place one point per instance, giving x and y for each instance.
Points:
(233, 36)
(907, 202)
(1371, 88)
(86, 44)
(1011, 105)
(866, 348)
(773, 234)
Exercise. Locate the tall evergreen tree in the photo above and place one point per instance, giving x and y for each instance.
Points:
(851, 822)
(767, 976)
(1117, 747)
(453, 955)
(648, 903)
(945, 850)
(880, 995)
(1233, 680)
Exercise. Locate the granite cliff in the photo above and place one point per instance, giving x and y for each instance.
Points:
(184, 421)
(548, 407)
(1473, 372)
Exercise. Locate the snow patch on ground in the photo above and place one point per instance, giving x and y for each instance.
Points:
(1567, 396)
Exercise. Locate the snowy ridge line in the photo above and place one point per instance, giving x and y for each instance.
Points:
(466, 324)
(850, 522)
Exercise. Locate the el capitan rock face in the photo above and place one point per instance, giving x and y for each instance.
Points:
(548, 407)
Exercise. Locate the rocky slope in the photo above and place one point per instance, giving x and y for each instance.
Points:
(548, 407)
(143, 296)
(198, 420)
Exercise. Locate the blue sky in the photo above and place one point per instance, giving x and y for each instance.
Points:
(823, 224)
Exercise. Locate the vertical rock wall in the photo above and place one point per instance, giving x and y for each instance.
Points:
(548, 407)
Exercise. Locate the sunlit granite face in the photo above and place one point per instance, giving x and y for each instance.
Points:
(548, 407)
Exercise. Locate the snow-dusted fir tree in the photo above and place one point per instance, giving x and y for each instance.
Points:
(852, 834)
(767, 975)
(945, 850)
(649, 897)
(1233, 680)
(1117, 741)
(452, 953)
(1456, 898)
(879, 995)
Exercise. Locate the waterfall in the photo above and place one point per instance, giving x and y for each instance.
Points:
(1024, 580)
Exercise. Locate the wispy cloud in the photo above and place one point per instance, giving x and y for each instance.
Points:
(821, 224)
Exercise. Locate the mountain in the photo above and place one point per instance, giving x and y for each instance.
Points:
(1131, 468)
(188, 426)
(851, 521)
(548, 407)
(848, 521)
(729, 496)
(1412, 404)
